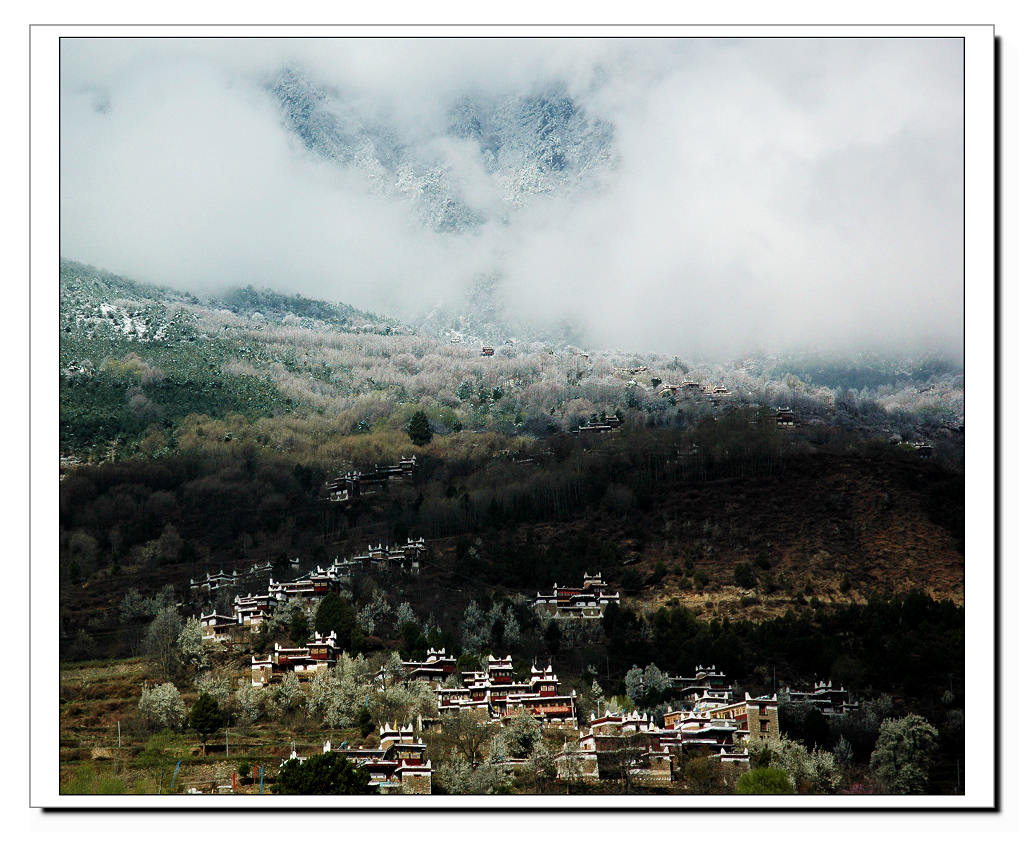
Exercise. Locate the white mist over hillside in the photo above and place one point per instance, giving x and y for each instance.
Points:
(703, 196)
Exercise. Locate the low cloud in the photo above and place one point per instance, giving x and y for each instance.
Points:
(762, 193)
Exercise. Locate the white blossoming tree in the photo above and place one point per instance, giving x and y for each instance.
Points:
(250, 701)
(161, 706)
(191, 651)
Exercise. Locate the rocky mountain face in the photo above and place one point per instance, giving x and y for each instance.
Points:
(489, 158)
(529, 145)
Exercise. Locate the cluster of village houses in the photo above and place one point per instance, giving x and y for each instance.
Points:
(710, 721)
(250, 611)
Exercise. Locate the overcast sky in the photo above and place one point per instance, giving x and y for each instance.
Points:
(763, 193)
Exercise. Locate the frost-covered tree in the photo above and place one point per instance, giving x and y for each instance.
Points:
(392, 671)
(134, 606)
(504, 626)
(643, 686)
(404, 615)
(634, 682)
(161, 706)
(374, 613)
(843, 752)
(457, 776)
(321, 693)
(336, 696)
(655, 681)
(164, 598)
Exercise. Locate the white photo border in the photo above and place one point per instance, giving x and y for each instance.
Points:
(981, 682)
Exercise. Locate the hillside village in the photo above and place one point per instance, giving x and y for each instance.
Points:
(501, 576)
(709, 719)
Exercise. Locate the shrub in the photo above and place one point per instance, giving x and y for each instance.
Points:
(745, 576)
(765, 781)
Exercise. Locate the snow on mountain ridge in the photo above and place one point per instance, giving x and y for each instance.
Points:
(526, 145)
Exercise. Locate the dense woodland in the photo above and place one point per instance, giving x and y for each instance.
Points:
(136, 361)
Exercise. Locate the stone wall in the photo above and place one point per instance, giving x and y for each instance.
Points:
(415, 784)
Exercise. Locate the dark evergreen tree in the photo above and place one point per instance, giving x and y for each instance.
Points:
(419, 429)
(298, 627)
(205, 718)
(323, 774)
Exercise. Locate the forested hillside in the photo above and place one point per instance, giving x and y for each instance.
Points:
(140, 363)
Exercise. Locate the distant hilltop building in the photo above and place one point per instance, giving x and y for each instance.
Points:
(355, 483)
(830, 701)
(219, 580)
(784, 418)
(487, 351)
(585, 602)
(249, 611)
(598, 426)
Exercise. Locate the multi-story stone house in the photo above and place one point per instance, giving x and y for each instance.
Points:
(754, 716)
(830, 701)
(251, 610)
(495, 694)
(436, 668)
(617, 746)
(691, 688)
(216, 627)
(399, 764)
(305, 661)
